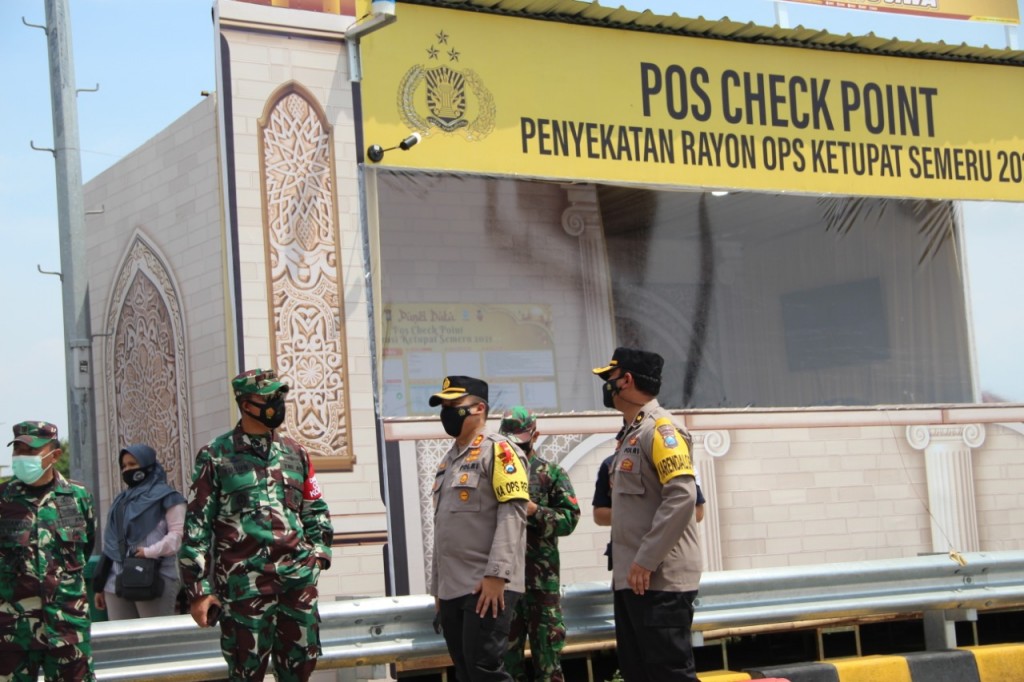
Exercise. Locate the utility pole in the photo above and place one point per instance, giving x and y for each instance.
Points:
(71, 226)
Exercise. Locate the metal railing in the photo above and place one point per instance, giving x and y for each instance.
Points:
(363, 632)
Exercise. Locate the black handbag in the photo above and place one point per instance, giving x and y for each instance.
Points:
(139, 580)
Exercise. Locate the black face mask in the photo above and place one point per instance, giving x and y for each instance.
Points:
(610, 391)
(133, 477)
(271, 413)
(452, 419)
(526, 447)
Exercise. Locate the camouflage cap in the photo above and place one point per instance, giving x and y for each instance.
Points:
(518, 423)
(258, 382)
(34, 434)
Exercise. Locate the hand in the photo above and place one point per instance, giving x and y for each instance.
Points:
(531, 508)
(639, 579)
(492, 596)
(100, 600)
(140, 554)
(437, 615)
(200, 607)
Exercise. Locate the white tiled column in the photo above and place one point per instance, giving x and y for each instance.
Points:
(716, 444)
(947, 453)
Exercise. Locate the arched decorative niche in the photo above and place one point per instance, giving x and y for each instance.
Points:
(146, 363)
(305, 292)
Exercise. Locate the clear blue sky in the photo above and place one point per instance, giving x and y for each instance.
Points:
(152, 59)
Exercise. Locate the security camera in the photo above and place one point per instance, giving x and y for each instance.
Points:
(410, 141)
(376, 153)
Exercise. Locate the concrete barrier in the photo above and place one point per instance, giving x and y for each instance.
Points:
(798, 672)
(943, 666)
(722, 676)
(999, 662)
(991, 663)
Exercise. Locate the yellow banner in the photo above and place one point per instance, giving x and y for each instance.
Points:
(1001, 11)
(512, 96)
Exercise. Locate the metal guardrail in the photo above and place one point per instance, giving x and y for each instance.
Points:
(381, 630)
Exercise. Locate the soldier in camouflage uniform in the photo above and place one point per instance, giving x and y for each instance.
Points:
(47, 530)
(257, 535)
(552, 512)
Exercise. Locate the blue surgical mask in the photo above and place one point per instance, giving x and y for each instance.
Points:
(28, 468)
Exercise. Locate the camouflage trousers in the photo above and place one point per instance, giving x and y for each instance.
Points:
(284, 626)
(538, 616)
(72, 663)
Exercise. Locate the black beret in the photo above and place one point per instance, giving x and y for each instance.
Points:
(635, 361)
(458, 386)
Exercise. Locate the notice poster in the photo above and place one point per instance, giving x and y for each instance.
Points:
(511, 347)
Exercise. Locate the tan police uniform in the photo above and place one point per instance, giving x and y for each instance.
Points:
(479, 517)
(654, 525)
(653, 495)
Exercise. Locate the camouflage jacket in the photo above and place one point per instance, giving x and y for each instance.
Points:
(259, 511)
(46, 537)
(557, 515)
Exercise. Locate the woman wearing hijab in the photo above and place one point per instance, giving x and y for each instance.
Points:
(146, 520)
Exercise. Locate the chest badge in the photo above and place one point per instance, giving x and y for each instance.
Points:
(627, 465)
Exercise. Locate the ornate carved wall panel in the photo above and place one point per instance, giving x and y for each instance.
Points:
(145, 367)
(304, 278)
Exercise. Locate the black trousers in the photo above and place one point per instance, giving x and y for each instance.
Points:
(652, 636)
(477, 644)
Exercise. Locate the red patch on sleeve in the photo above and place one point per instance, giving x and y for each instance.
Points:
(506, 454)
(311, 491)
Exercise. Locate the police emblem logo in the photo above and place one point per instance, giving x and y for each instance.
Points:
(445, 98)
(668, 434)
(627, 465)
(463, 478)
(445, 384)
(510, 468)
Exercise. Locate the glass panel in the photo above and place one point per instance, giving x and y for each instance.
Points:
(994, 233)
(754, 299)
(478, 277)
(782, 301)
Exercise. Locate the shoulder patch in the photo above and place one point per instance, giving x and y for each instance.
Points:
(669, 451)
(508, 475)
(311, 489)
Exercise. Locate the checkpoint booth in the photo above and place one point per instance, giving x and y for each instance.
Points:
(784, 214)
(781, 213)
